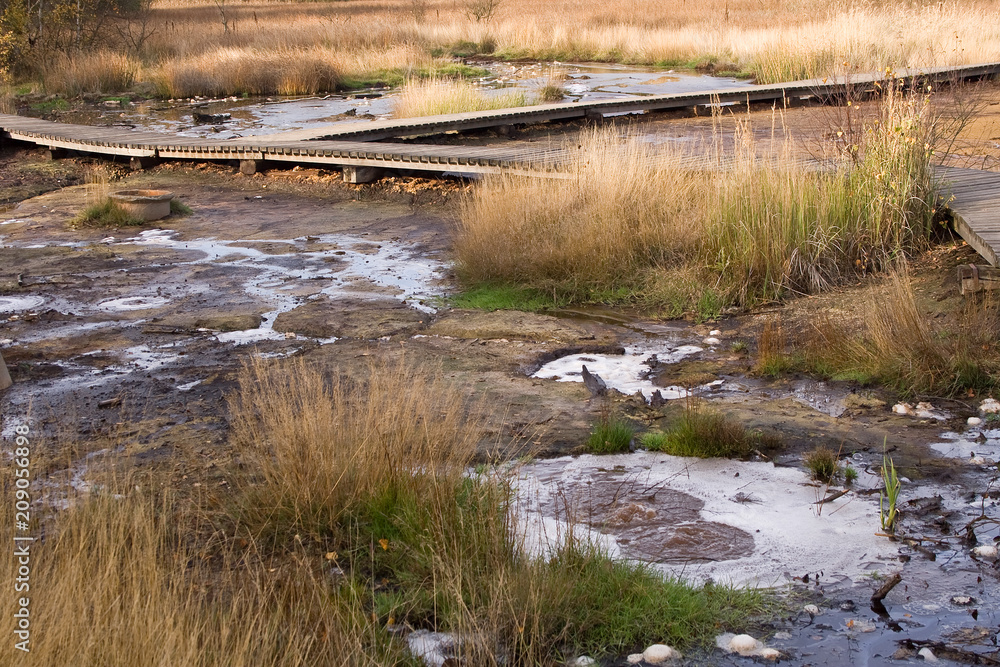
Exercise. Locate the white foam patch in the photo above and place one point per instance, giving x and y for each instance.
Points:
(188, 386)
(16, 304)
(133, 303)
(627, 373)
(14, 221)
(792, 535)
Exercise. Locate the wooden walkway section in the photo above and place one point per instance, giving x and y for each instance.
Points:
(974, 199)
(972, 195)
(782, 94)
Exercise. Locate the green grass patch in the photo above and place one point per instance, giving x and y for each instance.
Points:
(610, 435)
(179, 208)
(708, 434)
(106, 213)
(505, 297)
(50, 106)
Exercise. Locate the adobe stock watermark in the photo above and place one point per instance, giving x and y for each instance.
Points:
(22, 538)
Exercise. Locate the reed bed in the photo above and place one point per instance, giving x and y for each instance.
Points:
(768, 40)
(676, 232)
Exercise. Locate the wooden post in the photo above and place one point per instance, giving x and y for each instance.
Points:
(248, 167)
(5, 380)
(361, 174)
(975, 277)
(140, 163)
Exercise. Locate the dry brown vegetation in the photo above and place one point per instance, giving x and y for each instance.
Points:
(898, 345)
(353, 512)
(683, 231)
(202, 47)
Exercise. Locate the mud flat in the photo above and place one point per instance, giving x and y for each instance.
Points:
(136, 335)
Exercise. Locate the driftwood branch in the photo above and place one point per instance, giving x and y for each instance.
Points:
(886, 587)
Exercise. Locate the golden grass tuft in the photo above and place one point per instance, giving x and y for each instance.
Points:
(901, 347)
(431, 97)
(101, 71)
(747, 228)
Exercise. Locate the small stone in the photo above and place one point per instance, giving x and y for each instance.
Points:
(289, 335)
(848, 605)
(902, 653)
(715, 332)
(989, 407)
(658, 654)
(769, 653)
(985, 551)
(783, 635)
(902, 408)
(977, 461)
(744, 645)
(927, 654)
(811, 609)
(584, 661)
(634, 658)
(973, 421)
(711, 341)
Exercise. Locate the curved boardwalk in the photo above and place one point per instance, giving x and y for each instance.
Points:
(354, 147)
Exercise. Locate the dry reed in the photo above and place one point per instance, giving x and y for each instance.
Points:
(772, 41)
(441, 96)
(748, 228)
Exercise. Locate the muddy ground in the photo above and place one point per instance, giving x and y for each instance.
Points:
(133, 337)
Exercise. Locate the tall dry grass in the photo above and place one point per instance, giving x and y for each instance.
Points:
(896, 344)
(353, 513)
(129, 576)
(435, 96)
(629, 225)
(772, 41)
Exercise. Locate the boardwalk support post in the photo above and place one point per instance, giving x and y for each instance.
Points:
(5, 380)
(141, 163)
(249, 167)
(55, 153)
(361, 174)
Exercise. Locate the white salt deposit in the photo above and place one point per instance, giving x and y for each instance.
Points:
(627, 373)
(16, 304)
(792, 535)
(142, 302)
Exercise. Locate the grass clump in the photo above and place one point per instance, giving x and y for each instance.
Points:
(610, 435)
(431, 97)
(822, 464)
(106, 213)
(177, 207)
(772, 360)
(631, 226)
(708, 434)
(895, 344)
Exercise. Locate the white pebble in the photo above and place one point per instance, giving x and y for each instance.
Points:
(811, 609)
(584, 661)
(977, 461)
(985, 551)
(711, 341)
(658, 654)
(714, 332)
(927, 654)
(973, 421)
(634, 658)
(769, 653)
(989, 407)
(744, 645)
(902, 408)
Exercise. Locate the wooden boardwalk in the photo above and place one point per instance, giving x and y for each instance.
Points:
(974, 199)
(974, 196)
(783, 94)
